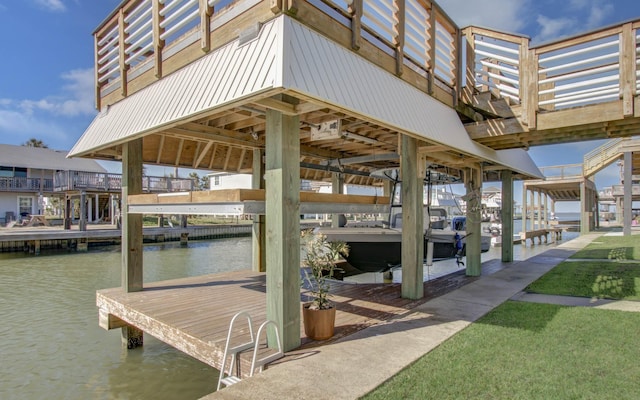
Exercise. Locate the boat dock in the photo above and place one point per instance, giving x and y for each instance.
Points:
(37, 239)
(193, 314)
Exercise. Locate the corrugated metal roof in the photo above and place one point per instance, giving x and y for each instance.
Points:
(346, 81)
(42, 158)
(227, 74)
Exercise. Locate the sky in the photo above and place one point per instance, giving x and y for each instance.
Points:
(46, 73)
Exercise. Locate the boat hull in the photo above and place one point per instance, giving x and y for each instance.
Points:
(379, 249)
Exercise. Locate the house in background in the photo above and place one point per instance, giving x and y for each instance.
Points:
(27, 179)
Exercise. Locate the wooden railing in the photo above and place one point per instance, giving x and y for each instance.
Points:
(107, 182)
(557, 172)
(34, 185)
(597, 67)
(144, 40)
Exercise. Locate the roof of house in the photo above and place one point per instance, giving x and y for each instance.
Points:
(43, 158)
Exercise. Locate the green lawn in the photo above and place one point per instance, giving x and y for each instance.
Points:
(529, 351)
(612, 248)
(599, 279)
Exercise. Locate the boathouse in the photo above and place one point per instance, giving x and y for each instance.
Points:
(334, 90)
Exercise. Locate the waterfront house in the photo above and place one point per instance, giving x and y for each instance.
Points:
(27, 179)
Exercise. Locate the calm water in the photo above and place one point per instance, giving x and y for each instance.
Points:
(50, 343)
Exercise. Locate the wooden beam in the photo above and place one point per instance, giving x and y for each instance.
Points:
(507, 216)
(281, 106)
(204, 152)
(160, 148)
(412, 221)
(628, 68)
(122, 36)
(205, 25)
(473, 185)
(131, 223)
(398, 34)
(258, 232)
(179, 152)
(282, 204)
(356, 10)
(158, 44)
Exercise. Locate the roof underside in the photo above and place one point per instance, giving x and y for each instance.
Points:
(211, 114)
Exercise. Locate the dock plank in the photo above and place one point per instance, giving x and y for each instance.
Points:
(193, 314)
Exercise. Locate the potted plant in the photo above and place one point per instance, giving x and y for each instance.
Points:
(321, 257)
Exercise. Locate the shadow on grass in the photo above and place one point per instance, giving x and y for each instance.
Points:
(618, 253)
(532, 317)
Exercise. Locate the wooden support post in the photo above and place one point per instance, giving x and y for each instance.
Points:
(532, 210)
(36, 247)
(158, 43)
(82, 245)
(398, 34)
(184, 239)
(584, 207)
(628, 68)
(131, 231)
(356, 10)
(540, 211)
(507, 216)
(627, 198)
(205, 25)
(524, 211)
(258, 231)
(67, 212)
(337, 187)
(412, 220)
(82, 224)
(432, 51)
(97, 208)
(619, 213)
(473, 184)
(282, 204)
(470, 67)
(131, 223)
(122, 45)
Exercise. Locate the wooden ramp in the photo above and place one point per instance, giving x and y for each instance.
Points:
(193, 314)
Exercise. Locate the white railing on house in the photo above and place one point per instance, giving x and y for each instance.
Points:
(32, 185)
(107, 182)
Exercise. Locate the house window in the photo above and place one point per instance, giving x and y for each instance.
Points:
(216, 181)
(6, 172)
(25, 206)
(20, 172)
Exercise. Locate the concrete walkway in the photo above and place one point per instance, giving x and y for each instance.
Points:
(356, 364)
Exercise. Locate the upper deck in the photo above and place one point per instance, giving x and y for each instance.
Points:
(223, 66)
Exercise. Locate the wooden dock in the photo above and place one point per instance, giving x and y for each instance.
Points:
(193, 314)
(34, 240)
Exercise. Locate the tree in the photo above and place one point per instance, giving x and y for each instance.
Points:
(33, 142)
(199, 183)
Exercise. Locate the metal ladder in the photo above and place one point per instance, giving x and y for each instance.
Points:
(229, 377)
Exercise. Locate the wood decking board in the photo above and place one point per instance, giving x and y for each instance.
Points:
(193, 314)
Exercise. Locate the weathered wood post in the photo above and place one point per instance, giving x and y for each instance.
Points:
(282, 179)
(627, 198)
(507, 216)
(82, 224)
(412, 220)
(337, 187)
(131, 232)
(473, 184)
(258, 231)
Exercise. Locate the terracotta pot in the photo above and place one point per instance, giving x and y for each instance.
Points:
(318, 324)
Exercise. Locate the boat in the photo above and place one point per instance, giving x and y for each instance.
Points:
(380, 249)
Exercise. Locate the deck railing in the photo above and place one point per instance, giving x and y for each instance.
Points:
(556, 172)
(107, 182)
(145, 39)
(31, 185)
(594, 68)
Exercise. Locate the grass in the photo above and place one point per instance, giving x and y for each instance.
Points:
(611, 248)
(598, 279)
(529, 351)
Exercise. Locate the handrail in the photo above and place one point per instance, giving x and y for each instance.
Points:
(141, 34)
(110, 182)
(598, 67)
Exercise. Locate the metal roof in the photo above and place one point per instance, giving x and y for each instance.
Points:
(44, 158)
(287, 57)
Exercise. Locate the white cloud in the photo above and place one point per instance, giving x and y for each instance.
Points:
(21, 125)
(551, 28)
(509, 16)
(584, 15)
(51, 5)
(78, 97)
